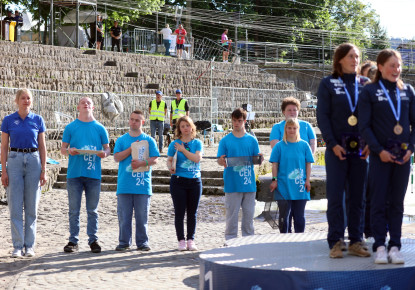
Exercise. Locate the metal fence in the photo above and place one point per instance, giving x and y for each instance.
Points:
(45, 103)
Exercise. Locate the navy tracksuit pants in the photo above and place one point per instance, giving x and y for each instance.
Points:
(389, 182)
(344, 176)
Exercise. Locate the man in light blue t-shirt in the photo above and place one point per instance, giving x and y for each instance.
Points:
(240, 186)
(134, 188)
(84, 171)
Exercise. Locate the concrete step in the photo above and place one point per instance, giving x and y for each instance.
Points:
(156, 180)
(163, 188)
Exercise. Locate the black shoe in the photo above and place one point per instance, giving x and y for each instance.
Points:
(95, 248)
(122, 248)
(71, 248)
(144, 248)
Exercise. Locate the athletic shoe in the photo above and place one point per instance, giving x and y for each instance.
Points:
(395, 256)
(17, 253)
(357, 249)
(191, 246)
(71, 248)
(336, 251)
(182, 245)
(144, 248)
(122, 248)
(381, 255)
(30, 252)
(95, 247)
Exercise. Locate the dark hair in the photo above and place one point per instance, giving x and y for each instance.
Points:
(290, 101)
(138, 112)
(341, 51)
(367, 65)
(239, 113)
(382, 58)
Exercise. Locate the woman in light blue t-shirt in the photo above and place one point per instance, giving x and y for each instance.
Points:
(185, 182)
(291, 168)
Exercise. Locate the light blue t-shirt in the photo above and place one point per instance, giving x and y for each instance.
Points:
(292, 159)
(239, 178)
(306, 131)
(86, 136)
(130, 182)
(23, 133)
(185, 167)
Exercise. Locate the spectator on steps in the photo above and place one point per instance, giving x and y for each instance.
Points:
(23, 171)
(19, 24)
(185, 182)
(180, 40)
(166, 31)
(116, 34)
(226, 43)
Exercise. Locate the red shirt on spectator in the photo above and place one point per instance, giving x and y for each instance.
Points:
(181, 33)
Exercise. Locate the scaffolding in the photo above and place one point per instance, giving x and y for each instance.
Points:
(67, 3)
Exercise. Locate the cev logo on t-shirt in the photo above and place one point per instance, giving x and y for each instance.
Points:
(245, 172)
(90, 158)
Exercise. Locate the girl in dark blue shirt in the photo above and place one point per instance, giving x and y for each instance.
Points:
(337, 113)
(387, 114)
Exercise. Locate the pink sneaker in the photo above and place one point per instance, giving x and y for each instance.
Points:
(191, 246)
(182, 245)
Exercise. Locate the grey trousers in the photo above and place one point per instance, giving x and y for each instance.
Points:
(233, 202)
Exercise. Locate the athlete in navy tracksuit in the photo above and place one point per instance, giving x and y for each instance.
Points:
(333, 112)
(388, 177)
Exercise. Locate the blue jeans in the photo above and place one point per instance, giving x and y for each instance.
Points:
(23, 192)
(185, 193)
(157, 125)
(92, 189)
(126, 204)
(167, 43)
(294, 208)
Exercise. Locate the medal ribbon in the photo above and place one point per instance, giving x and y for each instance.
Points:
(396, 112)
(356, 94)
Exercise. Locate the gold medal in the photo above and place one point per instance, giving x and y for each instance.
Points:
(398, 129)
(352, 120)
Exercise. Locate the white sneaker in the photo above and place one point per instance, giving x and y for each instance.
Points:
(381, 255)
(191, 246)
(395, 256)
(30, 252)
(17, 253)
(182, 245)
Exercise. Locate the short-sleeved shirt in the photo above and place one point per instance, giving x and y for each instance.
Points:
(166, 33)
(239, 178)
(291, 176)
(87, 136)
(185, 167)
(180, 38)
(306, 131)
(23, 133)
(130, 182)
(224, 39)
(186, 105)
(116, 31)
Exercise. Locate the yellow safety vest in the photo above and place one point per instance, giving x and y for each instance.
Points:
(157, 113)
(180, 110)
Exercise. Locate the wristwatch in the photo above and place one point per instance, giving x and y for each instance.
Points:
(274, 178)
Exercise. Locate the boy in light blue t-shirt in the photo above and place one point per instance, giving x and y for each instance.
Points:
(240, 185)
(134, 188)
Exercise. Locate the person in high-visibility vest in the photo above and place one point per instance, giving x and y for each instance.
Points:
(179, 108)
(158, 111)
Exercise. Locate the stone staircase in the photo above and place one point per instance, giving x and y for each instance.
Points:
(212, 181)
